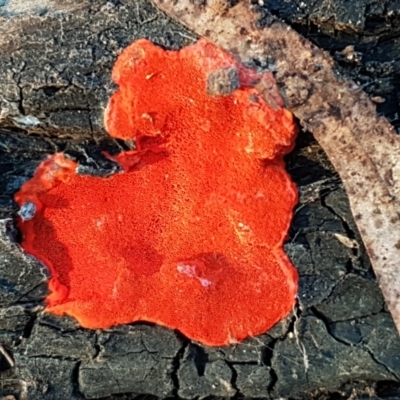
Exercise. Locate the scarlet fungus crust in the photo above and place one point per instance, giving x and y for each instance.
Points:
(190, 235)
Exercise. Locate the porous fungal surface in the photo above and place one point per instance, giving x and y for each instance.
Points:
(190, 234)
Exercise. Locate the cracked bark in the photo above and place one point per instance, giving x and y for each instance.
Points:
(54, 84)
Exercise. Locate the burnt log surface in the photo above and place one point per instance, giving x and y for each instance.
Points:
(340, 341)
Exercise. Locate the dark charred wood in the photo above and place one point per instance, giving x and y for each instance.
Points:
(55, 82)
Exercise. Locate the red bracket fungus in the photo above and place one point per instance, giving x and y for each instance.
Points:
(190, 235)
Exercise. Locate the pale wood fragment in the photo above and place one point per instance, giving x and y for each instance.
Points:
(363, 147)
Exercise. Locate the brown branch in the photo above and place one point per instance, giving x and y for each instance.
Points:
(363, 147)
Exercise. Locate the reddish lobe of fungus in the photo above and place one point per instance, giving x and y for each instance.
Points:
(190, 235)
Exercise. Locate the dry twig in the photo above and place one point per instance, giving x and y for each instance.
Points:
(362, 146)
(6, 356)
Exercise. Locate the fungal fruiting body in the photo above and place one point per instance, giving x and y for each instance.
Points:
(190, 235)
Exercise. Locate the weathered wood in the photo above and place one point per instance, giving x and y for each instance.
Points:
(54, 84)
(364, 148)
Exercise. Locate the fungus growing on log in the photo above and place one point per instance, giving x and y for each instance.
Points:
(190, 235)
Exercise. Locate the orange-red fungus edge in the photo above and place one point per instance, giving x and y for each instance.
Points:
(190, 235)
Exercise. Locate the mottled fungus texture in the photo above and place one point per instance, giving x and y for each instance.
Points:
(190, 234)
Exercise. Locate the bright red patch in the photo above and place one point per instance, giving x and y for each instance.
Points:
(190, 235)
